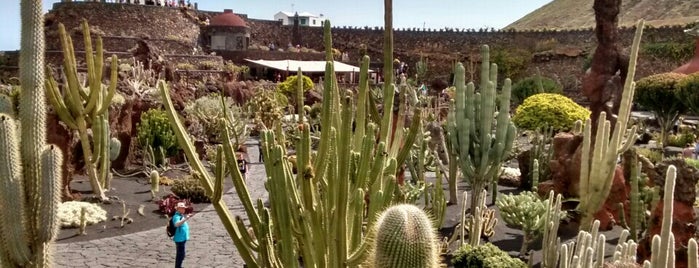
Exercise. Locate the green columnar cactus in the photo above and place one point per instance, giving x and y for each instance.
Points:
(692, 256)
(663, 245)
(83, 111)
(318, 213)
(481, 138)
(30, 174)
(586, 251)
(598, 163)
(154, 181)
(625, 251)
(405, 238)
(535, 175)
(551, 241)
(636, 206)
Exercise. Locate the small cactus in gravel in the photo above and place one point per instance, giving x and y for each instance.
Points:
(405, 238)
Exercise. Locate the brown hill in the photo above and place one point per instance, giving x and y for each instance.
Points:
(578, 14)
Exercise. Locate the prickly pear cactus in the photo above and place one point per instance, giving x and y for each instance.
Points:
(405, 238)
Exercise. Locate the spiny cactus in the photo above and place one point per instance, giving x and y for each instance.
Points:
(318, 213)
(86, 112)
(663, 245)
(598, 163)
(405, 237)
(29, 168)
(551, 241)
(154, 182)
(479, 128)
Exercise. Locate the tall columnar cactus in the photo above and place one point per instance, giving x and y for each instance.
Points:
(551, 241)
(479, 128)
(663, 245)
(636, 206)
(599, 157)
(30, 174)
(318, 213)
(87, 109)
(405, 238)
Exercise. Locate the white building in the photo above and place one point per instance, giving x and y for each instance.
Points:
(305, 18)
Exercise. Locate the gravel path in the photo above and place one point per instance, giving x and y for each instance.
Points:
(210, 245)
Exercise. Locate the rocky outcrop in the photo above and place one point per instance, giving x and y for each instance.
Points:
(565, 179)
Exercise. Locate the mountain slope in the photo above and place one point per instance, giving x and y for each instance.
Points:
(577, 14)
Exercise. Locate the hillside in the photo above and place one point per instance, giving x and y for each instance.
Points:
(577, 14)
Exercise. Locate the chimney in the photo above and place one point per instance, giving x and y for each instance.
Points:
(228, 11)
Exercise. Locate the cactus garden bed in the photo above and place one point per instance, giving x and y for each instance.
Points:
(135, 193)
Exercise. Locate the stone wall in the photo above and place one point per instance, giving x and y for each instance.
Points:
(557, 54)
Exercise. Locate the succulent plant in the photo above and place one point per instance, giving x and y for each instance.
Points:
(405, 238)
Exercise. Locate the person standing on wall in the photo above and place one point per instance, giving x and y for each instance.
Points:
(181, 232)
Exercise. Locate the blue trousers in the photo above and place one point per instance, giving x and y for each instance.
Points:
(180, 254)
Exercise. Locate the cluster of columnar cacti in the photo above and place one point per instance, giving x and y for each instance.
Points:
(599, 162)
(551, 241)
(405, 237)
(481, 221)
(663, 245)
(86, 109)
(319, 213)
(30, 170)
(479, 128)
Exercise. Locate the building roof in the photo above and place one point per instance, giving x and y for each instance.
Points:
(301, 14)
(306, 66)
(228, 18)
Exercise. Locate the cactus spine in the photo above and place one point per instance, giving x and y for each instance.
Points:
(81, 110)
(599, 162)
(405, 238)
(481, 139)
(29, 168)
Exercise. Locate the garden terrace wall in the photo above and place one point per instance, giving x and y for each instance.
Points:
(182, 29)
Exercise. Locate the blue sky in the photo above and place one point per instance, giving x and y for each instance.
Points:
(406, 13)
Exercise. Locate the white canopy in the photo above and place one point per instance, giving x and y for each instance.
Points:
(306, 66)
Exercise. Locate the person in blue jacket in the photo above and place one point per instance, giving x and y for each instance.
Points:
(181, 232)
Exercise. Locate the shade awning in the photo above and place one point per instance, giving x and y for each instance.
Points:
(306, 66)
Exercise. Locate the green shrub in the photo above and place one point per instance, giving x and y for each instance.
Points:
(207, 112)
(692, 162)
(484, 256)
(674, 51)
(190, 188)
(658, 93)
(547, 110)
(266, 107)
(687, 92)
(185, 66)
(681, 140)
(155, 131)
(511, 62)
(210, 65)
(289, 85)
(530, 86)
(655, 156)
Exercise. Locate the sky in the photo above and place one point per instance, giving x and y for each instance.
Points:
(406, 13)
